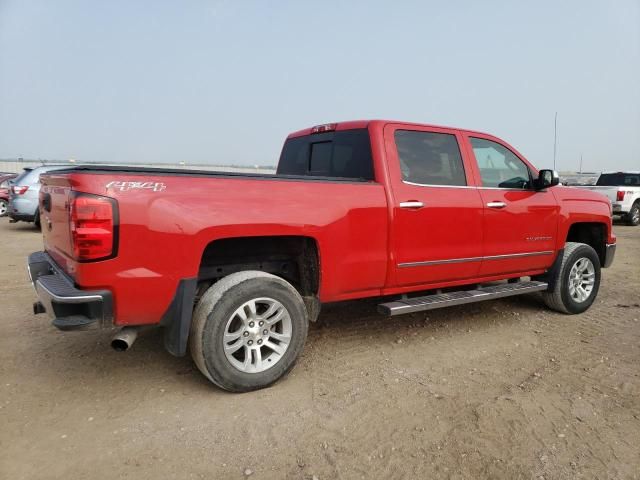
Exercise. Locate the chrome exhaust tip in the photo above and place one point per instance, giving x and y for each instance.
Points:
(123, 340)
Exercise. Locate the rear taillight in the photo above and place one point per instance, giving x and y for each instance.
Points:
(19, 189)
(620, 195)
(93, 222)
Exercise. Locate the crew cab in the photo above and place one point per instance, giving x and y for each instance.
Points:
(235, 266)
(623, 190)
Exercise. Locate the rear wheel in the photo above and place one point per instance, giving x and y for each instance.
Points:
(3, 207)
(248, 331)
(633, 217)
(577, 281)
(36, 220)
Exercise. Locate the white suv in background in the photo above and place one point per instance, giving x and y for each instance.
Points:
(623, 189)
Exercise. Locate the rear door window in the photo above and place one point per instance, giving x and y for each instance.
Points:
(430, 158)
(341, 154)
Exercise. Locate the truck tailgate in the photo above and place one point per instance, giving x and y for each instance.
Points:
(55, 195)
(609, 192)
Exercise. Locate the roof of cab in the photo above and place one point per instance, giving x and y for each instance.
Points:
(353, 124)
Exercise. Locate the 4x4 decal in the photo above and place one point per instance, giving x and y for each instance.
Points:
(126, 186)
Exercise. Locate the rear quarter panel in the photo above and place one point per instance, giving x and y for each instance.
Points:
(163, 232)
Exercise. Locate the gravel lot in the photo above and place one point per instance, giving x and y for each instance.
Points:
(503, 389)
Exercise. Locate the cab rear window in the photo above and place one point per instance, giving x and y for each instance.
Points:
(341, 154)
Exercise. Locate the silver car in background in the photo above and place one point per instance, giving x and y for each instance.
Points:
(24, 194)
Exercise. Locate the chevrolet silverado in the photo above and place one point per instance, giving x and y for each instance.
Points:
(233, 267)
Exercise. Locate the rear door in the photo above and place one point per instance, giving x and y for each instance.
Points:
(520, 224)
(436, 231)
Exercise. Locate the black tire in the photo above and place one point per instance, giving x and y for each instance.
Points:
(4, 208)
(217, 307)
(560, 299)
(36, 220)
(633, 217)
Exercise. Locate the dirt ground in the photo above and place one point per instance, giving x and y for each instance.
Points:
(502, 389)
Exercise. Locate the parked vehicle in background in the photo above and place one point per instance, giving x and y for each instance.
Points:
(5, 179)
(7, 176)
(623, 190)
(578, 179)
(23, 194)
(235, 266)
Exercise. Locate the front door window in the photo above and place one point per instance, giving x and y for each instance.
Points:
(499, 166)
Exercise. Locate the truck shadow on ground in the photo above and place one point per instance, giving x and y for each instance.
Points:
(77, 355)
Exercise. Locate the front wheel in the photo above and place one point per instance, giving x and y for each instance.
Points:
(248, 331)
(577, 280)
(3, 207)
(633, 217)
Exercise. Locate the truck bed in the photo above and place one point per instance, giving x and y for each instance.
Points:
(162, 232)
(110, 169)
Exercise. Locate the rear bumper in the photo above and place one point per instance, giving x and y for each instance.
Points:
(21, 208)
(69, 307)
(609, 254)
(19, 217)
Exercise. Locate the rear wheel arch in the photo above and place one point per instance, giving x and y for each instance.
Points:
(223, 257)
(293, 258)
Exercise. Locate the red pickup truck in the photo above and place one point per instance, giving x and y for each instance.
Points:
(236, 265)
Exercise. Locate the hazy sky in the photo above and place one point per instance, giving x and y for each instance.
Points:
(224, 82)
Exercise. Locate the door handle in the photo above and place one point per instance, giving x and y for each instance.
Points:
(411, 204)
(496, 204)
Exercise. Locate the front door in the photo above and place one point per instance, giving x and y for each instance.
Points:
(520, 223)
(436, 232)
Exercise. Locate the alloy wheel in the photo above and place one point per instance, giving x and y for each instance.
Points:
(257, 335)
(581, 279)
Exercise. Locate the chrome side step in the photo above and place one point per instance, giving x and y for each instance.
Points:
(430, 302)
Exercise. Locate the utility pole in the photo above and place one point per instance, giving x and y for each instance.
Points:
(555, 139)
(580, 163)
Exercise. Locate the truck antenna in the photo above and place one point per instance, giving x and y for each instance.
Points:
(555, 139)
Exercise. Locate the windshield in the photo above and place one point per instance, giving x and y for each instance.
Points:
(342, 154)
(619, 180)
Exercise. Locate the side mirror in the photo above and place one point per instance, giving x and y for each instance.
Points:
(546, 179)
